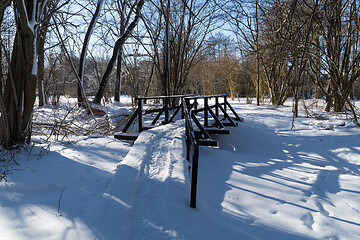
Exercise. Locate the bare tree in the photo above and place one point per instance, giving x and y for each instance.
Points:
(80, 91)
(20, 88)
(116, 17)
(6, 27)
(341, 35)
(119, 43)
(50, 9)
(244, 19)
(177, 31)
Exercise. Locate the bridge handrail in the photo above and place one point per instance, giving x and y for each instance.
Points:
(188, 106)
(192, 154)
(163, 97)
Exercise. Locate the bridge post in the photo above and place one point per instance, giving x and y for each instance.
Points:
(166, 106)
(140, 117)
(194, 173)
(182, 105)
(206, 112)
(217, 106)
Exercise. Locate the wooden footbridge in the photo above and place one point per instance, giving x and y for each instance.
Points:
(202, 115)
(208, 118)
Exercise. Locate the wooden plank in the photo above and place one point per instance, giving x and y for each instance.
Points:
(176, 112)
(140, 116)
(126, 136)
(208, 142)
(157, 117)
(135, 114)
(217, 121)
(198, 124)
(206, 112)
(166, 107)
(217, 131)
(229, 124)
(156, 110)
(237, 118)
(226, 116)
(147, 127)
(240, 119)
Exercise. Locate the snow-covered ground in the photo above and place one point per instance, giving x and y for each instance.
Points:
(266, 180)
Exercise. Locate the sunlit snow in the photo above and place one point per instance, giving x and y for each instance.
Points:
(266, 180)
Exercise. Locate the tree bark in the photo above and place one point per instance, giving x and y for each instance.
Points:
(119, 43)
(257, 55)
(80, 89)
(41, 68)
(118, 76)
(20, 88)
(119, 72)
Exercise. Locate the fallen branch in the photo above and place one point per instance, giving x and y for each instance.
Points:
(61, 194)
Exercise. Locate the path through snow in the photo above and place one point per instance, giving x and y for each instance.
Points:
(149, 183)
(263, 182)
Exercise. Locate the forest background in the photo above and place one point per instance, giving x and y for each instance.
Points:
(259, 49)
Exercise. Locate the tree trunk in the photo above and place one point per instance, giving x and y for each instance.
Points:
(20, 88)
(257, 55)
(80, 88)
(41, 69)
(1, 70)
(118, 76)
(119, 43)
(3, 6)
(19, 95)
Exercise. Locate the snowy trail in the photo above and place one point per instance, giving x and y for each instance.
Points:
(263, 182)
(142, 191)
(151, 205)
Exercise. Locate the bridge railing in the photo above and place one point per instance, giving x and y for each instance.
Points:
(217, 112)
(190, 108)
(169, 103)
(172, 106)
(192, 154)
(195, 138)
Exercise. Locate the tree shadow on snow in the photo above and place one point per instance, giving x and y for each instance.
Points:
(60, 189)
(254, 152)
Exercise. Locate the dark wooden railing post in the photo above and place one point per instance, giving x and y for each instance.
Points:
(206, 112)
(225, 100)
(194, 173)
(166, 106)
(187, 131)
(187, 104)
(217, 106)
(140, 117)
(192, 151)
(182, 105)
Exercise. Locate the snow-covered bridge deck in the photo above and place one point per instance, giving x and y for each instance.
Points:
(149, 187)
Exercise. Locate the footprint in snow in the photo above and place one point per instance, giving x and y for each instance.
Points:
(305, 178)
(250, 221)
(322, 209)
(308, 220)
(307, 193)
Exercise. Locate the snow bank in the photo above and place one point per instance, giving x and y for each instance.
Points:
(29, 201)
